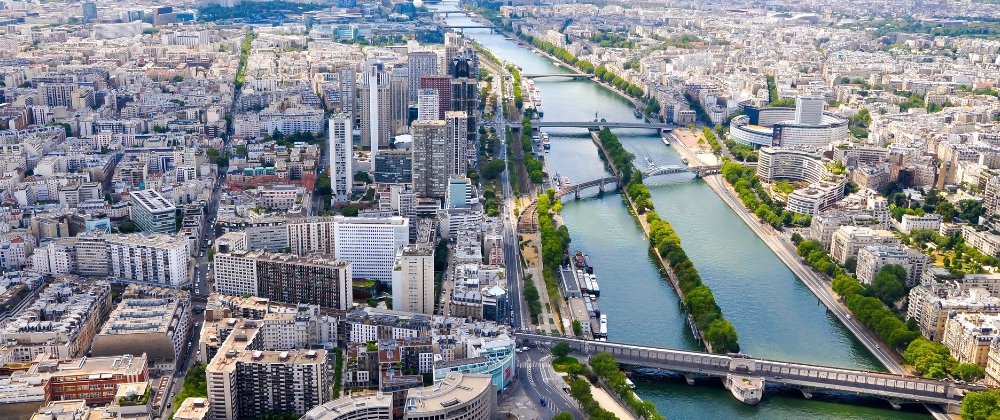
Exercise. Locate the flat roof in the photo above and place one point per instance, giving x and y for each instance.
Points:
(152, 201)
(454, 389)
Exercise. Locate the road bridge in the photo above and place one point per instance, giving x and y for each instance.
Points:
(699, 171)
(896, 389)
(601, 124)
(462, 28)
(569, 75)
(575, 189)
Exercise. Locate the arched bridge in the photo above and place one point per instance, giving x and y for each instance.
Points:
(896, 389)
(575, 189)
(700, 171)
(569, 75)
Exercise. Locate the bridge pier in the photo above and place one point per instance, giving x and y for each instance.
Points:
(689, 378)
(807, 392)
(576, 194)
(895, 403)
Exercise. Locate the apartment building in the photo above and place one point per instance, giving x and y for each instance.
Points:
(413, 280)
(932, 305)
(929, 221)
(149, 259)
(984, 241)
(968, 336)
(316, 279)
(95, 379)
(61, 322)
(848, 240)
(236, 272)
(247, 379)
(871, 259)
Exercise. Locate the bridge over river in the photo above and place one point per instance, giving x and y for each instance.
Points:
(743, 374)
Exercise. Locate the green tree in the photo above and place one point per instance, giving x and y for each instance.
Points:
(563, 416)
(323, 184)
(362, 176)
(947, 210)
(128, 226)
(981, 405)
(577, 328)
(350, 211)
(889, 284)
(561, 349)
(970, 372)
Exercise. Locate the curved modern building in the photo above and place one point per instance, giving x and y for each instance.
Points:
(459, 396)
(824, 188)
(791, 164)
(806, 125)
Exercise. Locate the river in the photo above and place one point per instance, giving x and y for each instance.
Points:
(776, 316)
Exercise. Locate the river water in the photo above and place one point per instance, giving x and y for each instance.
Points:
(776, 316)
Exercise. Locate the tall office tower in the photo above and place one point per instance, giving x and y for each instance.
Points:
(421, 63)
(370, 244)
(399, 101)
(428, 105)
(452, 45)
(89, 11)
(341, 146)
(442, 85)
(458, 142)
(809, 109)
(413, 281)
(460, 67)
(376, 125)
(394, 167)
(349, 92)
(430, 158)
(465, 97)
(152, 212)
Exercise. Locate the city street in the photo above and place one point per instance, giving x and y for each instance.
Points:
(539, 380)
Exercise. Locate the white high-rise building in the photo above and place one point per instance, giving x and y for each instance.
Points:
(236, 272)
(370, 244)
(413, 281)
(458, 142)
(809, 109)
(421, 63)
(341, 146)
(376, 122)
(428, 106)
(149, 258)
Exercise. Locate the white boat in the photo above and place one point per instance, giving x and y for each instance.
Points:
(546, 144)
(603, 326)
